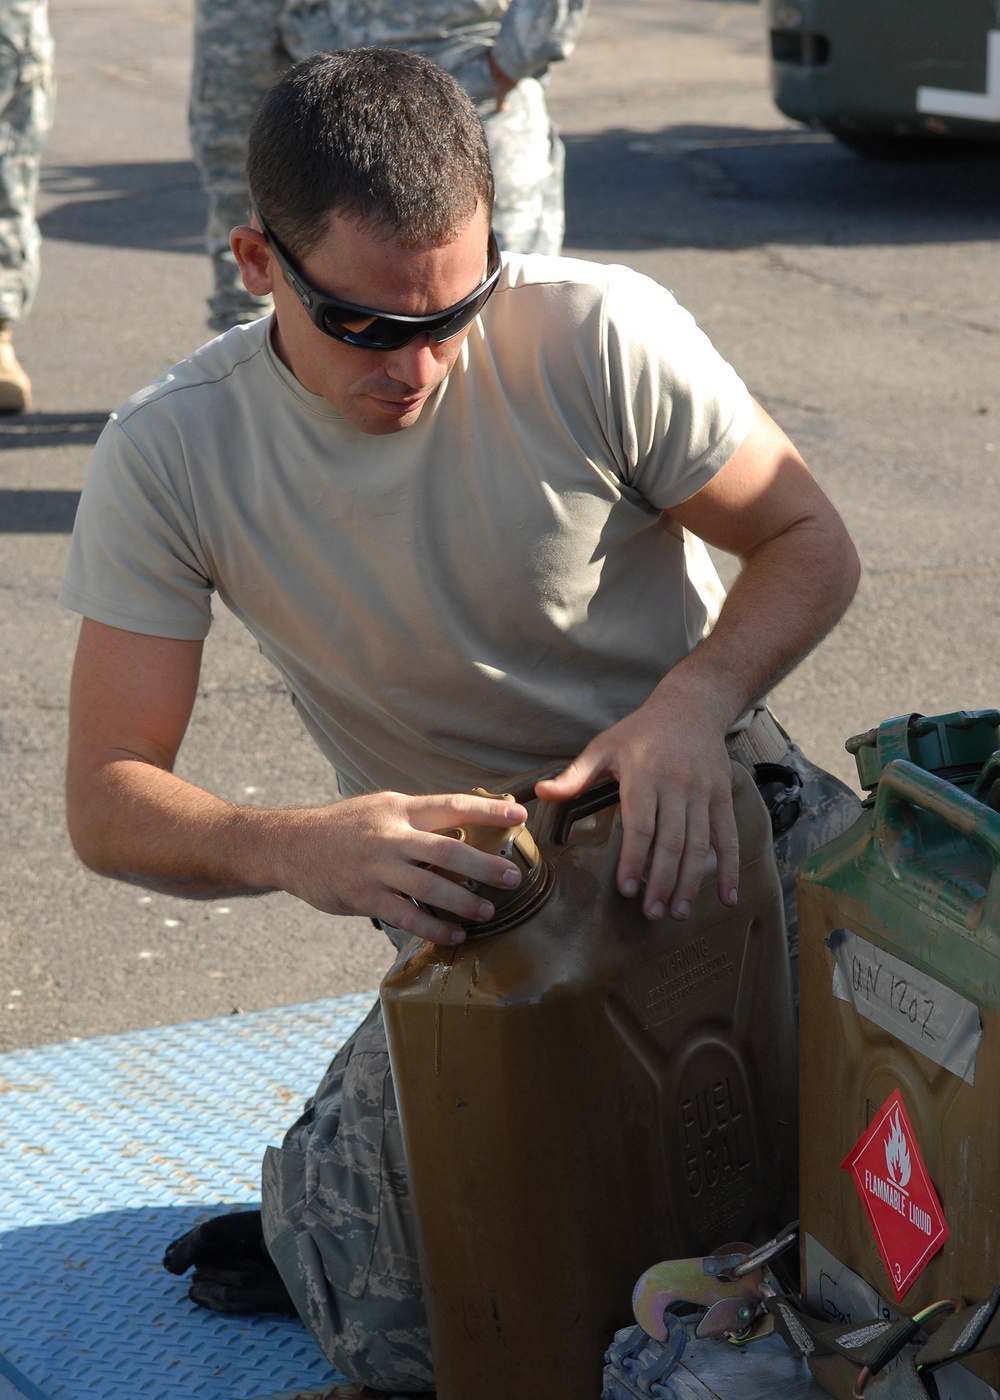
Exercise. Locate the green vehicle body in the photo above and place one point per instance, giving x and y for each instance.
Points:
(888, 75)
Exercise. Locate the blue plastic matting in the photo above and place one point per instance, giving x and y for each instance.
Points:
(112, 1147)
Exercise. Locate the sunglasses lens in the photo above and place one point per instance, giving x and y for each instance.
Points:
(372, 332)
(451, 325)
(375, 332)
(385, 333)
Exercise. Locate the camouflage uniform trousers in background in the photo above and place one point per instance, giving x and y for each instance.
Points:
(243, 46)
(336, 1209)
(27, 97)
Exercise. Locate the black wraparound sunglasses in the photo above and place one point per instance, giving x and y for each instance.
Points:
(369, 328)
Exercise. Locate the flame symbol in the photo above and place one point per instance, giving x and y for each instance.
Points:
(897, 1158)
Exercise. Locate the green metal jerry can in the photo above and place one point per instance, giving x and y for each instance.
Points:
(899, 956)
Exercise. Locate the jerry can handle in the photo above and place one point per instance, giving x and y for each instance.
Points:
(908, 783)
(905, 782)
(522, 787)
(595, 799)
(987, 786)
(902, 779)
(558, 817)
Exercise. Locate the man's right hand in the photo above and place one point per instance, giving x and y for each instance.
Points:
(131, 817)
(376, 855)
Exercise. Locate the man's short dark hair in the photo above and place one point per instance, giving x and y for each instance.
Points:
(386, 138)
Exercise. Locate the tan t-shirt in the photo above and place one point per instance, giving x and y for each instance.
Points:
(462, 600)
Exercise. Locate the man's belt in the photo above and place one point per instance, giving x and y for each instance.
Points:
(762, 741)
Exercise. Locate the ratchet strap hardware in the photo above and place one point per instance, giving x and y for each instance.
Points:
(730, 1284)
(638, 1367)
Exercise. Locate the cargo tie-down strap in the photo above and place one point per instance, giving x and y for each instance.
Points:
(743, 1301)
(872, 1345)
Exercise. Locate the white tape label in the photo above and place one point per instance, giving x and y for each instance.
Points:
(909, 1004)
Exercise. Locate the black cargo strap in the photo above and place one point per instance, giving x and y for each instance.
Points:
(870, 1344)
(873, 1344)
(901, 1383)
(976, 1328)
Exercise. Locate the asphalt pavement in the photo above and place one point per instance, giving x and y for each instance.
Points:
(860, 301)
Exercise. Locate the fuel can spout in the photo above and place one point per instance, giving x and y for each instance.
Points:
(513, 843)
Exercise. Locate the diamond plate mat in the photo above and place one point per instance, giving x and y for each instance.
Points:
(114, 1146)
(111, 1148)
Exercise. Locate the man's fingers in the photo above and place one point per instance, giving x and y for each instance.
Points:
(726, 841)
(575, 778)
(668, 842)
(401, 912)
(463, 861)
(450, 896)
(441, 811)
(675, 876)
(638, 834)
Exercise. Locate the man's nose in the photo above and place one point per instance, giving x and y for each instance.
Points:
(417, 364)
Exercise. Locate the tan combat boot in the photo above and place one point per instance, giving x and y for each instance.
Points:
(15, 386)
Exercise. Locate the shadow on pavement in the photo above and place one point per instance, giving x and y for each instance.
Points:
(684, 186)
(25, 430)
(155, 205)
(32, 512)
(735, 187)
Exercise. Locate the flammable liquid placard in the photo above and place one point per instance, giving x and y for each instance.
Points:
(897, 1194)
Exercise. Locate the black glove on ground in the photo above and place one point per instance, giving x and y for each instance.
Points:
(233, 1272)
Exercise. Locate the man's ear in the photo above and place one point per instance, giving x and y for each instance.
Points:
(253, 253)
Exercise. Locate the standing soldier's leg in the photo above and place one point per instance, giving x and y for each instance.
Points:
(27, 96)
(238, 56)
(528, 167)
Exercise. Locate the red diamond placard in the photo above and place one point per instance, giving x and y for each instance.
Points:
(902, 1205)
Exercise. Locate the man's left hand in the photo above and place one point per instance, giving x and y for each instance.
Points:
(675, 779)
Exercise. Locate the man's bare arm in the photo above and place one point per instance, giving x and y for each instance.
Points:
(799, 572)
(131, 817)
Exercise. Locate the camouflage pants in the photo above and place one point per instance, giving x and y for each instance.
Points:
(238, 56)
(336, 1205)
(27, 95)
(241, 48)
(336, 1216)
(529, 161)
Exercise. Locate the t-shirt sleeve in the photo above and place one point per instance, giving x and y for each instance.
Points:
(135, 561)
(678, 411)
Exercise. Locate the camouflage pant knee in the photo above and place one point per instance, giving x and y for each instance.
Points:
(27, 96)
(336, 1204)
(338, 1224)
